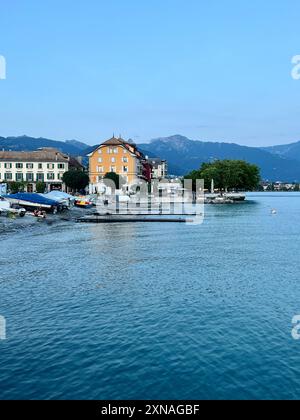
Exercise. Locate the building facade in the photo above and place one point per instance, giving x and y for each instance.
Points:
(44, 165)
(159, 168)
(118, 156)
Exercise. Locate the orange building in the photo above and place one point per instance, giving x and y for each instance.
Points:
(121, 157)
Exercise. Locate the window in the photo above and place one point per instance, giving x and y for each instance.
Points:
(50, 165)
(125, 168)
(29, 165)
(100, 160)
(40, 166)
(19, 165)
(8, 165)
(60, 166)
(100, 169)
(29, 177)
(100, 151)
(116, 150)
(8, 176)
(40, 177)
(50, 176)
(113, 160)
(113, 169)
(19, 177)
(125, 159)
(110, 151)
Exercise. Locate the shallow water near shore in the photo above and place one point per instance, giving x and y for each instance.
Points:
(154, 311)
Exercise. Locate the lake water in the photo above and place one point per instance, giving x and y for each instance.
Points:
(154, 311)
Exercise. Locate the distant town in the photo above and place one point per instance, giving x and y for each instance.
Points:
(43, 170)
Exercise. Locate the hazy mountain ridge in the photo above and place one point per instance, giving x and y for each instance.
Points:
(187, 155)
(289, 151)
(278, 163)
(28, 144)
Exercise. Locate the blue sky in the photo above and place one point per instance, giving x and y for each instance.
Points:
(217, 70)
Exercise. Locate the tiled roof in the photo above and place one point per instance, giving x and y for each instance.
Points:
(42, 155)
(121, 142)
(114, 142)
(75, 164)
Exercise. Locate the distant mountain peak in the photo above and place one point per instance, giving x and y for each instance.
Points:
(176, 142)
(27, 144)
(172, 139)
(185, 155)
(78, 144)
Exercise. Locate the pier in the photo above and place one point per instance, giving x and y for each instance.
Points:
(131, 219)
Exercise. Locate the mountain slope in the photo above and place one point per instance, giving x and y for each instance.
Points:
(71, 147)
(185, 155)
(78, 144)
(289, 151)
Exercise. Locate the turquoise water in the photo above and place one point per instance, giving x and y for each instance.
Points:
(160, 311)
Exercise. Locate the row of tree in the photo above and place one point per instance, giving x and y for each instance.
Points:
(75, 180)
(227, 175)
(21, 186)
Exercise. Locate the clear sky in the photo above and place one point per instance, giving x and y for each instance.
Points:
(210, 70)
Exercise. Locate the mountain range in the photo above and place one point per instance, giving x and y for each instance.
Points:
(277, 163)
(28, 144)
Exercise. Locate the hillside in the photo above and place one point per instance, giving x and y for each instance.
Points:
(289, 151)
(24, 143)
(278, 163)
(185, 155)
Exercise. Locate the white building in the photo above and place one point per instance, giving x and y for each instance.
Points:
(45, 165)
(159, 168)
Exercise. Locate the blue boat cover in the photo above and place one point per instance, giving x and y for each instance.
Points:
(33, 198)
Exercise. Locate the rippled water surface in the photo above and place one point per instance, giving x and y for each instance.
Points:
(154, 311)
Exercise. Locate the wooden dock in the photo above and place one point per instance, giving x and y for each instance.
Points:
(131, 219)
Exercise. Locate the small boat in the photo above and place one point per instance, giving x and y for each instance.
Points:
(6, 208)
(34, 201)
(83, 202)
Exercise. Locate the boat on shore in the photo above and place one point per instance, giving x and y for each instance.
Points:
(6, 208)
(66, 201)
(34, 202)
(83, 202)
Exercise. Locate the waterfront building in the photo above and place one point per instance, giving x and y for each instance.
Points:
(121, 157)
(45, 165)
(159, 168)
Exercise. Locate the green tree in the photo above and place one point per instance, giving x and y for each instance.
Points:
(228, 174)
(113, 177)
(40, 187)
(76, 180)
(16, 187)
